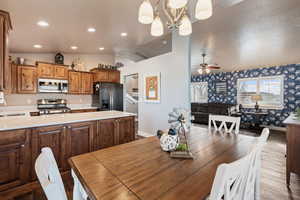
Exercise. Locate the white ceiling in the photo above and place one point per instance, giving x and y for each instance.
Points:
(69, 21)
(240, 34)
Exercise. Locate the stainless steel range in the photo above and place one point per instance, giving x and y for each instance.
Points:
(52, 106)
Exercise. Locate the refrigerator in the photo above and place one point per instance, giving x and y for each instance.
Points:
(108, 96)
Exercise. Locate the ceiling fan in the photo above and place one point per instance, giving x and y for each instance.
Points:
(207, 68)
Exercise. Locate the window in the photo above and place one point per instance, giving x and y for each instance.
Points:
(199, 92)
(269, 88)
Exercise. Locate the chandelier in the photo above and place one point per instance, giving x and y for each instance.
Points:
(177, 15)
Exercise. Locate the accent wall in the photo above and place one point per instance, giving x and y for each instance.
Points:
(275, 117)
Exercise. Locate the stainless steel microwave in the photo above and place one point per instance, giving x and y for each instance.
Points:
(53, 86)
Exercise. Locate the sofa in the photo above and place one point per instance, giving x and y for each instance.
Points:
(201, 111)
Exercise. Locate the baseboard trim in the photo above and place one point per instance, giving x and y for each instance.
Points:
(144, 134)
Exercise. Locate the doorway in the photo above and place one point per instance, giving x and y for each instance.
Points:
(131, 93)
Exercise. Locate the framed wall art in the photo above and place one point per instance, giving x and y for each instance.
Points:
(152, 88)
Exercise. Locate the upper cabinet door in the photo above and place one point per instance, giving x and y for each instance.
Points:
(101, 76)
(46, 70)
(61, 72)
(27, 80)
(87, 83)
(74, 82)
(114, 76)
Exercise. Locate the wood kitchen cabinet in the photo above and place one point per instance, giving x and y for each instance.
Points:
(14, 158)
(114, 131)
(14, 77)
(74, 82)
(80, 82)
(106, 134)
(125, 130)
(61, 72)
(52, 71)
(5, 28)
(109, 76)
(19, 149)
(27, 79)
(86, 83)
(53, 137)
(114, 76)
(80, 138)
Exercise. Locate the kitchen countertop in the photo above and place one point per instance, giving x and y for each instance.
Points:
(20, 122)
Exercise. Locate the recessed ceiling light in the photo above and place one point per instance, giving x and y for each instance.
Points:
(91, 30)
(101, 48)
(74, 47)
(38, 46)
(123, 34)
(43, 23)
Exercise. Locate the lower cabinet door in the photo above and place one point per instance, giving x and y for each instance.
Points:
(126, 131)
(53, 137)
(80, 138)
(14, 158)
(106, 134)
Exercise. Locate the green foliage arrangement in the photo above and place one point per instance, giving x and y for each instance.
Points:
(182, 147)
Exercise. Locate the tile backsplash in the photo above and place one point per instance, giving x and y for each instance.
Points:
(31, 99)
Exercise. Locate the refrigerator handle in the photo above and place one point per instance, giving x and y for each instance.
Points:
(112, 101)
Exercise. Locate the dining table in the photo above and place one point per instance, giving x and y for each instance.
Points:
(140, 170)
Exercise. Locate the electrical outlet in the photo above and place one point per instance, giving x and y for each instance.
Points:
(2, 100)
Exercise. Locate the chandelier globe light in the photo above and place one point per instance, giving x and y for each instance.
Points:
(204, 9)
(185, 27)
(146, 13)
(157, 27)
(176, 13)
(177, 3)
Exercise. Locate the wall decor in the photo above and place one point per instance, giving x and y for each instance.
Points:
(152, 88)
(59, 59)
(275, 117)
(221, 87)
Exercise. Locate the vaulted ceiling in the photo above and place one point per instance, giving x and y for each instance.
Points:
(241, 33)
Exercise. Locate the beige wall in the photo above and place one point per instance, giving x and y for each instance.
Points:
(31, 99)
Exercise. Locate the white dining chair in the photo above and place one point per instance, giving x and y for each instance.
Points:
(223, 120)
(78, 191)
(240, 180)
(50, 179)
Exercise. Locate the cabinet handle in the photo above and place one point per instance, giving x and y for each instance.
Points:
(23, 145)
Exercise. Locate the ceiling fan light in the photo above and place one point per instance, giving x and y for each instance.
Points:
(177, 3)
(204, 9)
(157, 27)
(207, 70)
(200, 71)
(185, 27)
(146, 12)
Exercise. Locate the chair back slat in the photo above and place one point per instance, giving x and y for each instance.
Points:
(49, 176)
(240, 179)
(224, 120)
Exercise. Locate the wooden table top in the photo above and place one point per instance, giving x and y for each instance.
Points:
(141, 170)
